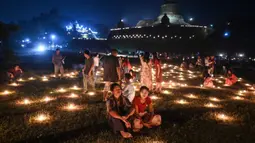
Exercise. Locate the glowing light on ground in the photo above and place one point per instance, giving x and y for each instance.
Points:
(61, 90)
(14, 84)
(247, 84)
(41, 118)
(72, 107)
(44, 78)
(21, 80)
(91, 93)
(166, 92)
(25, 102)
(154, 97)
(191, 96)
(223, 117)
(31, 78)
(181, 101)
(47, 99)
(75, 88)
(238, 98)
(214, 99)
(72, 95)
(211, 105)
(6, 92)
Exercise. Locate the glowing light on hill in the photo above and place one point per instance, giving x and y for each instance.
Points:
(181, 101)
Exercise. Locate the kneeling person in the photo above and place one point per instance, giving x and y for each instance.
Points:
(119, 110)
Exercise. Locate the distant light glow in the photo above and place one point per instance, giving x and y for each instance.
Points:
(41, 48)
(191, 19)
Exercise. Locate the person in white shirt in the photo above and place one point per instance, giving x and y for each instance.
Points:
(96, 65)
(129, 89)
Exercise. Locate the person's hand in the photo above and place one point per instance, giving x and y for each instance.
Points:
(142, 114)
(124, 117)
(127, 124)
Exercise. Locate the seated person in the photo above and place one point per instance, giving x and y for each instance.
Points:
(208, 80)
(133, 75)
(143, 117)
(15, 73)
(119, 110)
(184, 65)
(231, 78)
(191, 66)
(129, 89)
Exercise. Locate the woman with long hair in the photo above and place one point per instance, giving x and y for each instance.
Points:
(146, 70)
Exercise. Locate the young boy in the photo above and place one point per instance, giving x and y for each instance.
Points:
(129, 90)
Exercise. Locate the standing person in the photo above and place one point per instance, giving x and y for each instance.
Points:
(96, 66)
(129, 89)
(57, 60)
(212, 63)
(111, 71)
(126, 65)
(157, 64)
(119, 110)
(146, 71)
(88, 72)
(199, 63)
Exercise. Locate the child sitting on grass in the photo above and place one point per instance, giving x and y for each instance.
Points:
(208, 81)
(231, 78)
(145, 117)
(129, 89)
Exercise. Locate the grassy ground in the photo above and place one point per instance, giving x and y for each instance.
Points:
(182, 123)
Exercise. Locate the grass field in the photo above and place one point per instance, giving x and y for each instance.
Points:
(218, 115)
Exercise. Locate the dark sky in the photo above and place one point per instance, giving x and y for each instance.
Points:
(110, 11)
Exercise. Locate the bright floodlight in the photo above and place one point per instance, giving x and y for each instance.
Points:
(53, 37)
(241, 55)
(27, 40)
(226, 34)
(41, 48)
(211, 25)
(191, 19)
(221, 55)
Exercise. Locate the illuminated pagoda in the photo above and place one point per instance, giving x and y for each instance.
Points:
(168, 32)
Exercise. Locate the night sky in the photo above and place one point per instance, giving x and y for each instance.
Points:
(110, 11)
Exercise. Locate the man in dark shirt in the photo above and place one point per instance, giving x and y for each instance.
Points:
(111, 71)
(119, 110)
(88, 77)
(57, 60)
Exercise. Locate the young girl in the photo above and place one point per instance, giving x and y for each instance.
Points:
(231, 78)
(157, 64)
(208, 81)
(146, 71)
(145, 117)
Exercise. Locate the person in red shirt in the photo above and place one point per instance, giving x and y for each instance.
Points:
(231, 78)
(144, 111)
(157, 65)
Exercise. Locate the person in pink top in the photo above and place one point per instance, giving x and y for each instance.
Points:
(231, 78)
(144, 111)
(208, 81)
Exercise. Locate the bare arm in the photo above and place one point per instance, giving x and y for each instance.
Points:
(115, 115)
(118, 72)
(151, 109)
(158, 69)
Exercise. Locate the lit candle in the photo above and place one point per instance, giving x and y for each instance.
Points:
(210, 105)
(75, 88)
(91, 93)
(154, 97)
(223, 117)
(14, 84)
(166, 92)
(72, 107)
(238, 98)
(181, 101)
(24, 102)
(40, 118)
(191, 96)
(72, 95)
(31, 78)
(47, 99)
(6, 92)
(62, 90)
(214, 99)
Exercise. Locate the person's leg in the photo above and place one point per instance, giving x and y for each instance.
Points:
(156, 120)
(85, 83)
(106, 90)
(56, 69)
(91, 82)
(118, 126)
(62, 70)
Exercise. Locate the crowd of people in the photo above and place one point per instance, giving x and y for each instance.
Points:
(125, 110)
